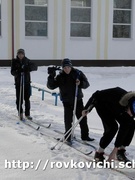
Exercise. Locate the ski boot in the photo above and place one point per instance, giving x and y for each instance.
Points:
(88, 139)
(21, 116)
(99, 157)
(28, 117)
(69, 142)
(121, 156)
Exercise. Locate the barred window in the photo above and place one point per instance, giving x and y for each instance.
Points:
(122, 10)
(80, 18)
(36, 17)
(0, 17)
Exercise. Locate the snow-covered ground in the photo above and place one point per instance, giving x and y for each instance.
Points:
(22, 148)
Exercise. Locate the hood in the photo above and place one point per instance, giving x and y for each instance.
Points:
(124, 101)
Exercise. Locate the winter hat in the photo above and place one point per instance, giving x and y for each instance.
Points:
(132, 105)
(66, 62)
(20, 51)
(124, 101)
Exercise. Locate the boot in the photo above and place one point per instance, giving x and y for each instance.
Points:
(88, 139)
(69, 142)
(21, 116)
(28, 117)
(99, 157)
(121, 156)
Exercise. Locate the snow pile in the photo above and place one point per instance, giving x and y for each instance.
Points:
(25, 153)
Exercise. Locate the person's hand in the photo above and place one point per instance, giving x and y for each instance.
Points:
(52, 71)
(21, 69)
(77, 82)
(112, 155)
(84, 113)
(24, 68)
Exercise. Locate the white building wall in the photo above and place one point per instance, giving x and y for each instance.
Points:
(59, 44)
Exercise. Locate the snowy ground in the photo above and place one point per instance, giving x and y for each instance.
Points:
(21, 146)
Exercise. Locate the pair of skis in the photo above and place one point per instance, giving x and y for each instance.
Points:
(77, 146)
(36, 126)
(78, 142)
(33, 124)
(88, 158)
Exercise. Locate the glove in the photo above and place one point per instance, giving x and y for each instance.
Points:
(52, 71)
(24, 68)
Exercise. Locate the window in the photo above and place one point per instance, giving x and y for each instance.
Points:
(36, 19)
(80, 18)
(122, 18)
(0, 17)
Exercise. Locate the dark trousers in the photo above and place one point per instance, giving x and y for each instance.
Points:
(123, 125)
(68, 117)
(26, 98)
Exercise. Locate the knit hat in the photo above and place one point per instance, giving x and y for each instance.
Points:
(20, 51)
(132, 105)
(66, 62)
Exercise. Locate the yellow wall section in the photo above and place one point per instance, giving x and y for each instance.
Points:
(63, 28)
(9, 29)
(17, 23)
(55, 29)
(106, 30)
(98, 29)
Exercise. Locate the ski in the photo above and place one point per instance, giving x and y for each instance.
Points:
(129, 173)
(73, 146)
(28, 123)
(34, 124)
(79, 141)
(85, 143)
(41, 125)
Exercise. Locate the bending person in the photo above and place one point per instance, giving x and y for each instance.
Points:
(115, 107)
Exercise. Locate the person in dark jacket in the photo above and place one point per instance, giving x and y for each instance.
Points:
(66, 80)
(20, 68)
(114, 106)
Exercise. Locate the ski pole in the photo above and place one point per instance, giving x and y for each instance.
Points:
(75, 125)
(74, 111)
(70, 130)
(20, 96)
(23, 89)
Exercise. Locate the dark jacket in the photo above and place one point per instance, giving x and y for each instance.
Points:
(67, 84)
(108, 100)
(16, 69)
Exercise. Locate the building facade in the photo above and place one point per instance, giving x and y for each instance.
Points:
(78, 29)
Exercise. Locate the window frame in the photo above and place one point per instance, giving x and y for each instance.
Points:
(81, 22)
(123, 24)
(36, 21)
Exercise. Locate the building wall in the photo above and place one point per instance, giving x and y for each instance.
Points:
(58, 44)
(6, 34)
